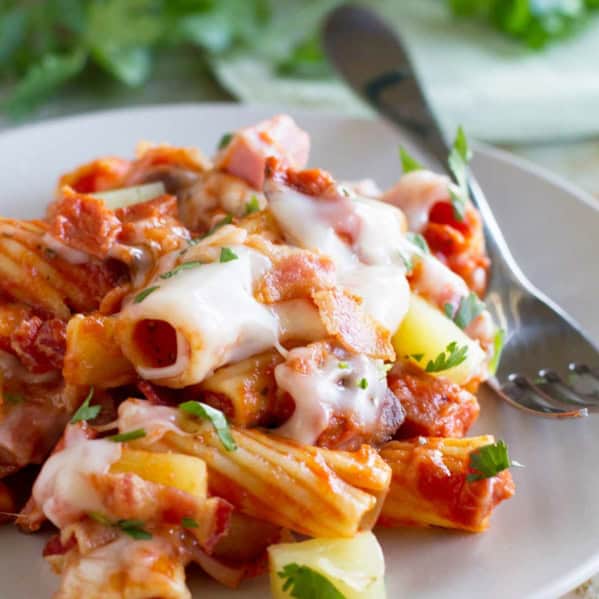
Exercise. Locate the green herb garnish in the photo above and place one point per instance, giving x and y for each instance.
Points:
(417, 357)
(138, 433)
(459, 157)
(13, 398)
(187, 522)
(408, 162)
(225, 140)
(489, 460)
(469, 308)
(302, 582)
(227, 220)
(217, 419)
(363, 384)
(141, 296)
(498, 343)
(252, 206)
(227, 254)
(178, 269)
(419, 241)
(85, 411)
(342, 365)
(135, 529)
(450, 358)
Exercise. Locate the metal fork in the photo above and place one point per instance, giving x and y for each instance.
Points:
(548, 367)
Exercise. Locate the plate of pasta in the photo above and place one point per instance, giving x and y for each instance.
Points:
(243, 352)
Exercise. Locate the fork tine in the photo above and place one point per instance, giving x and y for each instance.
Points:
(553, 387)
(522, 394)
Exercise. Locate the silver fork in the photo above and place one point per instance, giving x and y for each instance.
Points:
(548, 367)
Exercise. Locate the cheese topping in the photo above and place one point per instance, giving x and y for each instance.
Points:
(354, 388)
(215, 316)
(372, 267)
(63, 489)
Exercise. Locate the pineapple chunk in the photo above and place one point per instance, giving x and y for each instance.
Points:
(426, 330)
(356, 567)
(183, 472)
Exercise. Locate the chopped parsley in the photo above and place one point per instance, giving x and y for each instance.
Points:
(13, 398)
(342, 365)
(225, 140)
(417, 357)
(252, 206)
(469, 308)
(459, 157)
(226, 220)
(138, 433)
(227, 254)
(217, 419)
(498, 343)
(450, 358)
(187, 522)
(178, 269)
(489, 460)
(302, 582)
(141, 296)
(407, 262)
(85, 411)
(363, 384)
(408, 162)
(419, 241)
(135, 529)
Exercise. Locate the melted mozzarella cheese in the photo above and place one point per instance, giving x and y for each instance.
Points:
(71, 255)
(153, 419)
(331, 389)
(214, 313)
(63, 489)
(373, 267)
(416, 193)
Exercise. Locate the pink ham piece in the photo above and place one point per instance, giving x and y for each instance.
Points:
(245, 155)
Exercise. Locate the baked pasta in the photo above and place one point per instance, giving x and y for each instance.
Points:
(209, 360)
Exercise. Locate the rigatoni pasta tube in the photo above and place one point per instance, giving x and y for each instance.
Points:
(183, 327)
(429, 486)
(309, 490)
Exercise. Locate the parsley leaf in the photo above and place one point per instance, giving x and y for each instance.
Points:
(498, 343)
(489, 460)
(141, 296)
(178, 269)
(225, 140)
(252, 206)
(342, 365)
(417, 357)
(408, 162)
(450, 358)
(216, 417)
(470, 307)
(227, 255)
(227, 220)
(135, 529)
(138, 433)
(187, 522)
(363, 384)
(85, 411)
(302, 582)
(459, 157)
(419, 241)
(13, 398)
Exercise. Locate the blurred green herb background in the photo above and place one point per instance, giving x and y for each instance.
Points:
(45, 44)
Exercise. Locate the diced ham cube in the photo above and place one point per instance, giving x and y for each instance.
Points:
(245, 155)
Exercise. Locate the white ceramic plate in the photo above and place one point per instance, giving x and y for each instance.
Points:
(541, 543)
